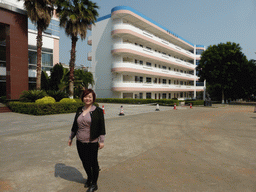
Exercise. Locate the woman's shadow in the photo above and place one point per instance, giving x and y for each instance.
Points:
(68, 173)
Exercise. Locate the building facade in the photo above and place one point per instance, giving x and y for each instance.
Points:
(134, 57)
(18, 53)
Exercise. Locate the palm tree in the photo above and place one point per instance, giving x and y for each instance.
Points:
(75, 17)
(40, 13)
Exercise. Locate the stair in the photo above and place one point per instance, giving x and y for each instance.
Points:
(4, 109)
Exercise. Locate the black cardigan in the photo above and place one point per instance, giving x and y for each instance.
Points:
(97, 123)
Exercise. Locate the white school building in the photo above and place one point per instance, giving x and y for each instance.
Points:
(135, 57)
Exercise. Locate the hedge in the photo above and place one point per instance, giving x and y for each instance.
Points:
(147, 101)
(138, 101)
(195, 102)
(45, 109)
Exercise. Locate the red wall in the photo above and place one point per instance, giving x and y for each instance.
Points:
(16, 52)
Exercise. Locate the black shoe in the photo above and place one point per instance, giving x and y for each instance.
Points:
(87, 184)
(92, 188)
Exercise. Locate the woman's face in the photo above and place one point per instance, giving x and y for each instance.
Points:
(88, 99)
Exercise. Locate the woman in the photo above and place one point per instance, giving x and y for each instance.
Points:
(89, 129)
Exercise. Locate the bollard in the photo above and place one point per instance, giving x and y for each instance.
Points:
(103, 109)
(190, 105)
(174, 106)
(121, 111)
(157, 107)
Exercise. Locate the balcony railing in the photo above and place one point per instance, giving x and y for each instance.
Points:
(153, 70)
(153, 53)
(89, 42)
(89, 56)
(153, 37)
(133, 84)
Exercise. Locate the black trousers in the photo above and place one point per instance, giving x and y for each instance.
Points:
(88, 153)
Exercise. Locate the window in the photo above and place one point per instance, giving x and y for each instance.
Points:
(164, 81)
(136, 61)
(148, 95)
(136, 43)
(148, 79)
(185, 94)
(164, 96)
(181, 94)
(181, 71)
(169, 81)
(164, 67)
(169, 68)
(155, 65)
(181, 82)
(148, 64)
(141, 46)
(148, 48)
(138, 79)
(141, 62)
(155, 81)
(141, 95)
(199, 51)
(169, 95)
(159, 66)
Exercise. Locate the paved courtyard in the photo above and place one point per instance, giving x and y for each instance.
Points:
(198, 149)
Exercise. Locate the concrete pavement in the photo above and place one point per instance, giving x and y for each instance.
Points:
(199, 149)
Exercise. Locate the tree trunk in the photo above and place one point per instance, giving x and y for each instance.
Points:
(223, 101)
(39, 58)
(72, 66)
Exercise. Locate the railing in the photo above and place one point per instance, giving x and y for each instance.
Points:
(153, 53)
(145, 33)
(152, 69)
(134, 84)
(89, 56)
(89, 41)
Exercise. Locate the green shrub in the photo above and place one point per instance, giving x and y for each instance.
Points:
(43, 109)
(138, 101)
(195, 102)
(45, 100)
(32, 95)
(57, 95)
(67, 100)
(3, 99)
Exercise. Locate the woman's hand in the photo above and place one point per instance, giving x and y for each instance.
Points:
(101, 145)
(69, 142)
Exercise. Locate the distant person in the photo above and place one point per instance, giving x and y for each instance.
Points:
(89, 129)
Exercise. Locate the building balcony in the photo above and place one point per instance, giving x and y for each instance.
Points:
(152, 71)
(89, 56)
(129, 49)
(89, 41)
(130, 15)
(153, 87)
(152, 40)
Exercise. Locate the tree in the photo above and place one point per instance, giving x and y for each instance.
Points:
(40, 13)
(44, 81)
(82, 81)
(75, 17)
(222, 66)
(56, 76)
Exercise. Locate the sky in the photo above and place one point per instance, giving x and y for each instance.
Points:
(201, 22)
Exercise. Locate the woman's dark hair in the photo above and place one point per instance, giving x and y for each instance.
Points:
(88, 91)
